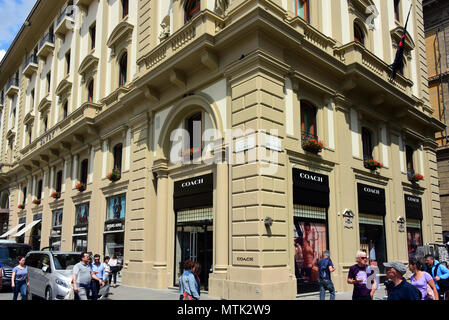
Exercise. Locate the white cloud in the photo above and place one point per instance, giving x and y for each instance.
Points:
(12, 15)
(2, 54)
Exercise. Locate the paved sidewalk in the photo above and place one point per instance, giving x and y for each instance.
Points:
(133, 293)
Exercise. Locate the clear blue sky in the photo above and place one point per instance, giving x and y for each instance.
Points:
(12, 15)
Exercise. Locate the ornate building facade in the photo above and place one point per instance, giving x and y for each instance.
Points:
(249, 136)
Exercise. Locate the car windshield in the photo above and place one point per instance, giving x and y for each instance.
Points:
(11, 253)
(66, 261)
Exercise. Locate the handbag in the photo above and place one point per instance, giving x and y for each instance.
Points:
(70, 295)
(429, 293)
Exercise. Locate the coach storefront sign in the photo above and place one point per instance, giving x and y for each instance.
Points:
(371, 199)
(413, 207)
(193, 193)
(310, 188)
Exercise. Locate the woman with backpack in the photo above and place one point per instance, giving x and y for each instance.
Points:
(422, 280)
(188, 284)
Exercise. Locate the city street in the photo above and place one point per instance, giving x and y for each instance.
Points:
(131, 293)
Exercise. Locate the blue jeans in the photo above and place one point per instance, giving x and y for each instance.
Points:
(20, 286)
(326, 285)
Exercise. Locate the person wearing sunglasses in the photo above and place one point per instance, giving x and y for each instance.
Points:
(363, 277)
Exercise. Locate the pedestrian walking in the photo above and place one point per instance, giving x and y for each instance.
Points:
(114, 270)
(20, 280)
(422, 280)
(107, 270)
(402, 290)
(440, 275)
(325, 267)
(98, 270)
(196, 272)
(188, 282)
(81, 278)
(363, 278)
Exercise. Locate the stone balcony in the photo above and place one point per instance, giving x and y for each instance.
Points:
(46, 46)
(31, 66)
(65, 22)
(84, 4)
(12, 87)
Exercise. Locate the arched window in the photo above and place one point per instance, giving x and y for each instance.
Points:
(24, 190)
(359, 35)
(308, 120)
(367, 144)
(194, 143)
(39, 190)
(90, 91)
(396, 4)
(123, 69)
(191, 9)
(118, 157)
(84, 171)
(301, 9)
(125, 8)
(59, 181)
(409, 159)
(65, 109)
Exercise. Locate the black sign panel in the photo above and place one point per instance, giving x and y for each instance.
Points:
(413, 207)
(114, 225)
(80, 229)
(37, 217)
(194, 192)
(22, 220)
(310, 188)
(56, 232)
(371, 199)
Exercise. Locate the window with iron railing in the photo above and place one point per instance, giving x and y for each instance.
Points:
(67, 12)
(32, 59)
(49, 37)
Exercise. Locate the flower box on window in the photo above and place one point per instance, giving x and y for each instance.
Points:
(21, 206)
(312, 144)
(114, 175)
(80, 186)
(372, 164)
(56, 195)
(37, 201)
(416, 177)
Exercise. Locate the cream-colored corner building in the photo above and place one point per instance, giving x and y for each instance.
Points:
(109, 85)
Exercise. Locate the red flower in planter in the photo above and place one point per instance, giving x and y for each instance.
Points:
(80, 186)
(313, 145)
(114, 175)
(416, 177)
(56, 195)
(373, 164)
(21, 206)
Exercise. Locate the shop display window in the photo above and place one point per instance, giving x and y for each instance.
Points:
(372, 240)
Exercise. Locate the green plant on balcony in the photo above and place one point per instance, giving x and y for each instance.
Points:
(37, 201)
(21, 206)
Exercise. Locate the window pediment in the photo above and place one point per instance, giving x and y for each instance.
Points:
(396, 35)
(121, 32)
(88, 65)
(63, 87)
(44, 104)
(29, 119)
(361, 7)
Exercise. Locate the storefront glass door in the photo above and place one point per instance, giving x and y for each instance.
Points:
(372, 240)
(193, 241)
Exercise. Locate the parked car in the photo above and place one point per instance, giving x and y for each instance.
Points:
(50, 273)
(9, 251)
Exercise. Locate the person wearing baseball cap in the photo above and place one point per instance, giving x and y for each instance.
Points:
(402, 290)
